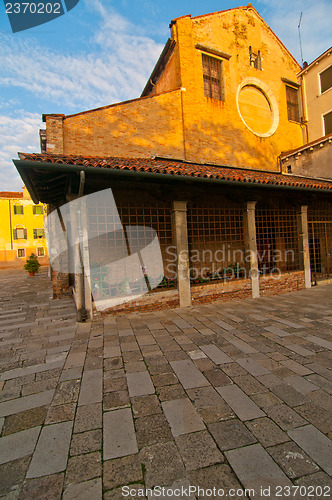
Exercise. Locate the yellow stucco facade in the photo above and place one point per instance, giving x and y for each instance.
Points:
(248, 126)
(317, 99)
(21, 229)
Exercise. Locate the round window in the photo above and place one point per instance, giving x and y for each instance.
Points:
(257, 107)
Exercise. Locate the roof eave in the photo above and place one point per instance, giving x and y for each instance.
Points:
(23, 166)
(160, 65)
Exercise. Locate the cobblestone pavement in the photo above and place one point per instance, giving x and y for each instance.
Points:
(226, 395)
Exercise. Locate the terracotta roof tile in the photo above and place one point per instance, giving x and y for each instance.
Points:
(180, 168)
(11, 194)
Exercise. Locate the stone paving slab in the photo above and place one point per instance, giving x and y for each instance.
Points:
(91, 387)
(119, 434)
(216, 354)
(52, 449)
(277, 331)
(207, 395)
(25, 403)
(140, 384)
(182, 417)
(188, 374)
(315, 444)
(322, 342)
(18, 445)
(243, 406)
(252, 366)
(22, 372)
(256, 470)
(299, 349)
(87, 490)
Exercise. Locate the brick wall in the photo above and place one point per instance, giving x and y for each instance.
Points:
(60, 284)
(287, 282)
(54, 134)
(203, 294)
(231, 290)
(150, 302)
(144, 127)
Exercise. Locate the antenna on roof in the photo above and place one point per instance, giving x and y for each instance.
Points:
(299, 28)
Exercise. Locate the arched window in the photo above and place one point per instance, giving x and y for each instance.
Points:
(18, 209)
(20, 233)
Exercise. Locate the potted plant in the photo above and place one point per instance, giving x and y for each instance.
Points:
(32, 265)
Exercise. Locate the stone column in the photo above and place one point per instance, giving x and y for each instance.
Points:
(304, 244)
(252, 247)
(86, 260)
(181, 241)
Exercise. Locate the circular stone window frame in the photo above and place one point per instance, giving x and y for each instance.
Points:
(267, 92)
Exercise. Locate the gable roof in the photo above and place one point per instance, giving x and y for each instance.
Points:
(11, 194)
(251, 8)
(308, 68)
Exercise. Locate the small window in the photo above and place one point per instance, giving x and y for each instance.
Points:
(38, 233)
(326, 79)
(21, 252)
(328, 123)
(40, 252)
(18, 209)
(38, 210)
(289, 169)
(20, 233)
(255, 59)
(213, 78)
(292, 103)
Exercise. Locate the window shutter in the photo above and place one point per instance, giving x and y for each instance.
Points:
(212, 77)
(37, 209)
(15, 234)
(35, 233)
(326, 79)
(292, 104)
(25, 234)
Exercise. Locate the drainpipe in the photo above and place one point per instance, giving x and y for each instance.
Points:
(10, 226)
(304, 109)
(82, 312)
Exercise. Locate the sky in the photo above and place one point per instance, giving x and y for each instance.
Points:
(103, 51)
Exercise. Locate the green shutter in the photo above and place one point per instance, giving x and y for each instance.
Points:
(18, 209)
(25, 234)
(35, 234)
(15, 234)
(37, 209)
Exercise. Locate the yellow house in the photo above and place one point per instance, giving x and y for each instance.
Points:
(21, 229)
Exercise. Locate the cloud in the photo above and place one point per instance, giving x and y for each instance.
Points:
(113, 68)
(17, 133)
(283, 17)
(75, 82)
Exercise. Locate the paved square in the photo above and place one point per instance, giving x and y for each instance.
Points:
(237, 394)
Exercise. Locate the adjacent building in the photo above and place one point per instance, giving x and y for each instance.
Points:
(21, 229)
(316, 83)
(197, 158)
